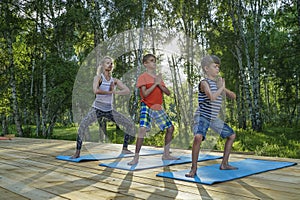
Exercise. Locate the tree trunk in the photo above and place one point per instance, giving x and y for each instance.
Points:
(257, 121)
(40, 17)
(298, 10)
(243, 71)
(44, 99)
(267, 97)
(4, 125)
(177, 100)
(247, 72)
(12, 81)
(244, 88)
(251, 72)
(98, 29)
(37, 115)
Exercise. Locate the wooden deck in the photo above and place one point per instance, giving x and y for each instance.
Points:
(29, 170)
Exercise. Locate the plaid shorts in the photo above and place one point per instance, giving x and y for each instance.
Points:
(160, 117)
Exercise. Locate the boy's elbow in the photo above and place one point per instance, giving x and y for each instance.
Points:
(145, 94)
(234, 96)
(127, 91)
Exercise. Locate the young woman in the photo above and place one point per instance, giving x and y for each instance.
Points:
(104, 89)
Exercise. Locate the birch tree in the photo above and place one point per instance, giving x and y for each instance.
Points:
(9, 31)
(247, 27)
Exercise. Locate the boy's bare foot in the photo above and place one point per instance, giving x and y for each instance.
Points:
(169, 157)
(76, 155)
(126, 151)
(134, 161)
(228, 167)
(192, 173)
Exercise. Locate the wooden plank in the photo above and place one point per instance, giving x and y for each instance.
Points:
(119, 179)
(24, 190)
(107, 179)
(33, 162)
(84, 179)
(50, 183)
(7, 194)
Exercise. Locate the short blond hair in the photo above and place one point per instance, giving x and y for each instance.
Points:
(209, 59)
(100, 68)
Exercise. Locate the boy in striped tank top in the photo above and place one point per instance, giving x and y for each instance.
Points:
(206, 116)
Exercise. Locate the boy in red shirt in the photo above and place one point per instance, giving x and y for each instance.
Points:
(152, 89)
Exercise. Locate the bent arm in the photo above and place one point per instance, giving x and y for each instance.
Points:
(164, 89)
(230, 94)
(123, 89)
(212, 96)
(146, 91)
(96, 89)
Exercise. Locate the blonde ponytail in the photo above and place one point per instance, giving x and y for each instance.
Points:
(100, 68)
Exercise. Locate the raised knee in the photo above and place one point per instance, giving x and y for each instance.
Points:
(198, 138)
(142, 132)
(232, 137)
(171, 129)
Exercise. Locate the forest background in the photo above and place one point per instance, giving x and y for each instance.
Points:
(44, 43)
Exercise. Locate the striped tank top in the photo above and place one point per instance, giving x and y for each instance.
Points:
(104, 102)
(208, 108)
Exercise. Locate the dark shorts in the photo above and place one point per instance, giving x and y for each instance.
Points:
(201, 125)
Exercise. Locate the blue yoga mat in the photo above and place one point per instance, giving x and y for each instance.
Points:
(93, 157)
(152, 162)
(212, 174)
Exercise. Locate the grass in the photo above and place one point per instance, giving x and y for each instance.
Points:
(113, 135)
(273, 141)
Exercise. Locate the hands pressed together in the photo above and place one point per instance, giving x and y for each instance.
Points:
(221, 82)
(158, 79)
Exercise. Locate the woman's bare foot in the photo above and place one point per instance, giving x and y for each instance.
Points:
(76, 155)
(134, 161)
(227, 167)
(126, 151)
(192, 173)
(169, 157)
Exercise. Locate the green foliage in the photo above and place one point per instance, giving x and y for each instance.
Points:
(65, 133)
(58, 36)
(157, 139)
(113, 134)
(273, 141)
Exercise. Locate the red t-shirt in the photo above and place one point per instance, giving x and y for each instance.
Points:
(155, 99)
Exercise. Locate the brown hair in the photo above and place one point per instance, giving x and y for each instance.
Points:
(147, 56)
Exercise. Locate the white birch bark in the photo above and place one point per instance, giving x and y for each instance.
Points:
(44, 73)
(17, 117)
(244, 71)
(8, 35)
(256, 10)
